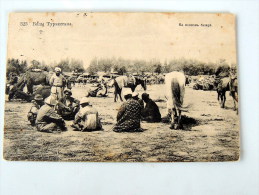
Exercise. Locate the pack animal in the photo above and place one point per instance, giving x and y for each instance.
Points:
(124, 81)
(228, 84)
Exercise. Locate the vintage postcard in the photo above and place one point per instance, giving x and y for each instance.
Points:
(121, 87)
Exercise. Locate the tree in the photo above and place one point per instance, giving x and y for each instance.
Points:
(77, 66)
(122, 70)
(15, 66)
(158, 69)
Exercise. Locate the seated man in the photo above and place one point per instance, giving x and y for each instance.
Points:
(140, 101)
(68, 106)
(87, 118)
(103, 89)
(129, 114)
(37, 102)
(151, 111)
(100, 90)
(47, 119)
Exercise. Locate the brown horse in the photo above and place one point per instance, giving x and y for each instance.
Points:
(228, 84)
(31, 79)
(222, 87)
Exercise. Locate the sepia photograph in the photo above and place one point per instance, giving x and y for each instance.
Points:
(121, 87)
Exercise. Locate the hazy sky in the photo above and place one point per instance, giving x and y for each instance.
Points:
(127, 35)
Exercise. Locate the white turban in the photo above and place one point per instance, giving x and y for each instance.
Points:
(57, 69)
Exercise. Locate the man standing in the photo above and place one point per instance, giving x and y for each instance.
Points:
(47, 119)
(87, 118)
(151, 111)
(57, 83)
(68, 106)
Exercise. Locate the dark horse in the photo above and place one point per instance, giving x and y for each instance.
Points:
(128, 82)
(227, 84)
(33, 78)
(222, 87)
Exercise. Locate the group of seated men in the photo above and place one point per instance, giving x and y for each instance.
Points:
(49, 115)
(133, 111)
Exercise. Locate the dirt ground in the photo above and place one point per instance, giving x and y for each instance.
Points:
(210, 133)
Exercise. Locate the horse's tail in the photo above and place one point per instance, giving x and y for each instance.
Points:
(177, 94)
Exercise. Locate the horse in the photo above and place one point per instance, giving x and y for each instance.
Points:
(227, 84)
(175, 88)
(222, 87)
(31, 79)
(127, 82)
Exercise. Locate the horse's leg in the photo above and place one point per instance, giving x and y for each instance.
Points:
(30, 88)
(173, 119)
(221, 100)
(224, 99)
(115, 94)
(234, 103)
(120, 95)
(180, 125)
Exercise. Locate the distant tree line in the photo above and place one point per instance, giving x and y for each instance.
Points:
(20, 66)
(189, 66)
(123, 66)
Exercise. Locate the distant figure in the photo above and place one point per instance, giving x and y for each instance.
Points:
(129, 114)
(87, 118)
(57, 83)
(47, 119)
(36, 105)
(140, 101)
(151, 111)
(68, 106)
(100, 90)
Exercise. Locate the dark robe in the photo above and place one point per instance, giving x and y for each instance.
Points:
(151, 112)
(128, 117)
(68, 108)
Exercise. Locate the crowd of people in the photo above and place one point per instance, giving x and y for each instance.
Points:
(49, 115)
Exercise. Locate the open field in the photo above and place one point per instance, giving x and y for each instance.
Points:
(211, 134)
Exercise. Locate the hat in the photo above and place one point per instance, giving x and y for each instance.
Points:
(38, 97)
(57, 69)
(51, 101)
(145, 95)
(135, 94)
(127, 92)
(68, 90)
(84, 100)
